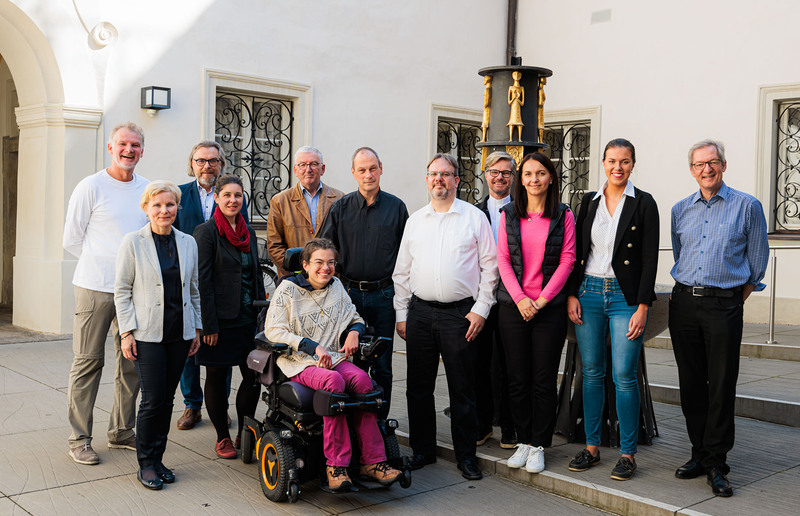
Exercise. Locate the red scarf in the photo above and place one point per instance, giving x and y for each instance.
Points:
(240, 238)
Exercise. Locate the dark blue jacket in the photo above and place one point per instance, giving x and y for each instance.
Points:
(190, 214)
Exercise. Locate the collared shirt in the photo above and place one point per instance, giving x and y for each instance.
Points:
(446, 257)
(493, 206)
(367, 236)
(604, 233)
(721, 242)
(206, 201)
(313, 202)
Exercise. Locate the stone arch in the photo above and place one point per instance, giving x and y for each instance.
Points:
(57, 146)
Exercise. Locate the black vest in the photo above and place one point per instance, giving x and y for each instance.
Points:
(552, 252)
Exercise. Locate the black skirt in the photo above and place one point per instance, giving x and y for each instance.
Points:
(233, 346)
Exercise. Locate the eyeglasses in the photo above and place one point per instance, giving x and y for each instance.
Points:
(319, 263)
(312, 164)
(212, 162)
(493, 172)
(443, 175)
(700, 165)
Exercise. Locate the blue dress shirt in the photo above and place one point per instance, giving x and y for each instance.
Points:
(313, 203)
(721, 242)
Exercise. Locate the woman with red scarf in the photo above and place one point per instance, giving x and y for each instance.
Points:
(229, 282)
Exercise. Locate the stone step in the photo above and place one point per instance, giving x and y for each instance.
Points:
(749, 349)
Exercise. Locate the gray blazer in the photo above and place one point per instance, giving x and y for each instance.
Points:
(138, 289)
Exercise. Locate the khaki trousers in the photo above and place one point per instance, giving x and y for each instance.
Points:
(94, 314)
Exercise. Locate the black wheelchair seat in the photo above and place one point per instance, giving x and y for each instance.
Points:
(297, 395)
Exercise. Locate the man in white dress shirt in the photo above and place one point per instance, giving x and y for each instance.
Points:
(445, 277)
(103, 208)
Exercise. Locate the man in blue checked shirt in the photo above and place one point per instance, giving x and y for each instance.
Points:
(720, 246)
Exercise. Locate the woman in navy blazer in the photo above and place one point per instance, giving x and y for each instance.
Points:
(229, 283)
(610, 292)
(158, 311)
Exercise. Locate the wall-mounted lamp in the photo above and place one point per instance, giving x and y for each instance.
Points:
(156, 98)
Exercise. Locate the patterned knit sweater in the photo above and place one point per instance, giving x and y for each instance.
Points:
(322, 316)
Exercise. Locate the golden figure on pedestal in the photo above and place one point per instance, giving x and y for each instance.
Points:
(487, 104)
(516, 99)
(542, 82)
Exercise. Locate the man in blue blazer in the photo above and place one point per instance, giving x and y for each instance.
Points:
(206, 163)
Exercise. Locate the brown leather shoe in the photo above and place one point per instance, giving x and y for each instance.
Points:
(338, 479)
(381, 472)
(189, 418)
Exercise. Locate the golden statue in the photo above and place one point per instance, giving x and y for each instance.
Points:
(516, 99)
(542, 82)
(487, 104)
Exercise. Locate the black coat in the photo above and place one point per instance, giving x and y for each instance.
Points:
(635, 258)
(220, 275)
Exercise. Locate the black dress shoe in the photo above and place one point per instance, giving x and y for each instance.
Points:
(165, 474)
(719, 484)
(691, 469)
(149, 479)
(470, 470)
(418, 460)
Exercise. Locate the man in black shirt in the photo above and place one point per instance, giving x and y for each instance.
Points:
(366, 226)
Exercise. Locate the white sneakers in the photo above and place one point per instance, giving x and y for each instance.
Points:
(535, 462)
(529, 456)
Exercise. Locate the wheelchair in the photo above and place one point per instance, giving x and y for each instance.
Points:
(288, 443)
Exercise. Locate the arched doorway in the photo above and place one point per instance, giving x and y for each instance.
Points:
(56, 146)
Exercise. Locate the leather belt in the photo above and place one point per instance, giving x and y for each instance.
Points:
(435, 304)
(366, 286)
(707, 291)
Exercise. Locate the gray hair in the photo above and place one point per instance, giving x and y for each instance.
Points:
(308, 149)
(708, 143)
(448, 157)
(208, 144)
(130, 126)
(366, 149)
(496, 156)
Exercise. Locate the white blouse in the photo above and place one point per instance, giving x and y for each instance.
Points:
(604, 233)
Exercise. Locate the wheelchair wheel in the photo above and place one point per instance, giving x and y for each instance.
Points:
(392, 448)
(274, 461)
(247, 445)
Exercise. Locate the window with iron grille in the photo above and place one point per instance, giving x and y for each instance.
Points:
(786, 194)
(570, 152)
(255, 133)
(458, 138)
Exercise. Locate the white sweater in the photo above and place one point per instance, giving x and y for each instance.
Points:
(101, 211)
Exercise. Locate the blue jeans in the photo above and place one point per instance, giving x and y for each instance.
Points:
(377, 310)
(604, 310)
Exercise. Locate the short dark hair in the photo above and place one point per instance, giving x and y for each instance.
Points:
(620, 142)
(553, 199)
(317, 244)
(226, 180)
(365, 149)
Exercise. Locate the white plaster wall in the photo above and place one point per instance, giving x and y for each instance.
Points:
(667, 75)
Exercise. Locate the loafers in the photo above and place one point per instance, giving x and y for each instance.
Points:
(508, 438)
(189, 418)
(165, 474)
(419, 460)
(624, 469)
(719, 483)
(483, 436)
(470, 470)
(149, 479)
(584, 460)
(691, 469)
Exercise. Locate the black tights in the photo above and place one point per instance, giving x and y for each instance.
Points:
(217, 403)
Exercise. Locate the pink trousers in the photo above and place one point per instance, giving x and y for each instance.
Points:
(346, 377)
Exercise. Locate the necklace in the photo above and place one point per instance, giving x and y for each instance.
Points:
(321, 306)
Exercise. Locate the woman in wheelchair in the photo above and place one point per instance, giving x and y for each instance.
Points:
(309, 312)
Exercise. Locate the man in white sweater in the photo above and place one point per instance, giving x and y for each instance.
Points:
(102, 209)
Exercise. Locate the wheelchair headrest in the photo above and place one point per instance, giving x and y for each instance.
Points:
(292, 261)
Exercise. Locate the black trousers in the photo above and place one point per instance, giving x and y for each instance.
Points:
(533, 351)
(432, 331)
(706, 336)
(491, 396)
(159, 366)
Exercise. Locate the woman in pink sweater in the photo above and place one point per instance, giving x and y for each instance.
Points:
(535, 255)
